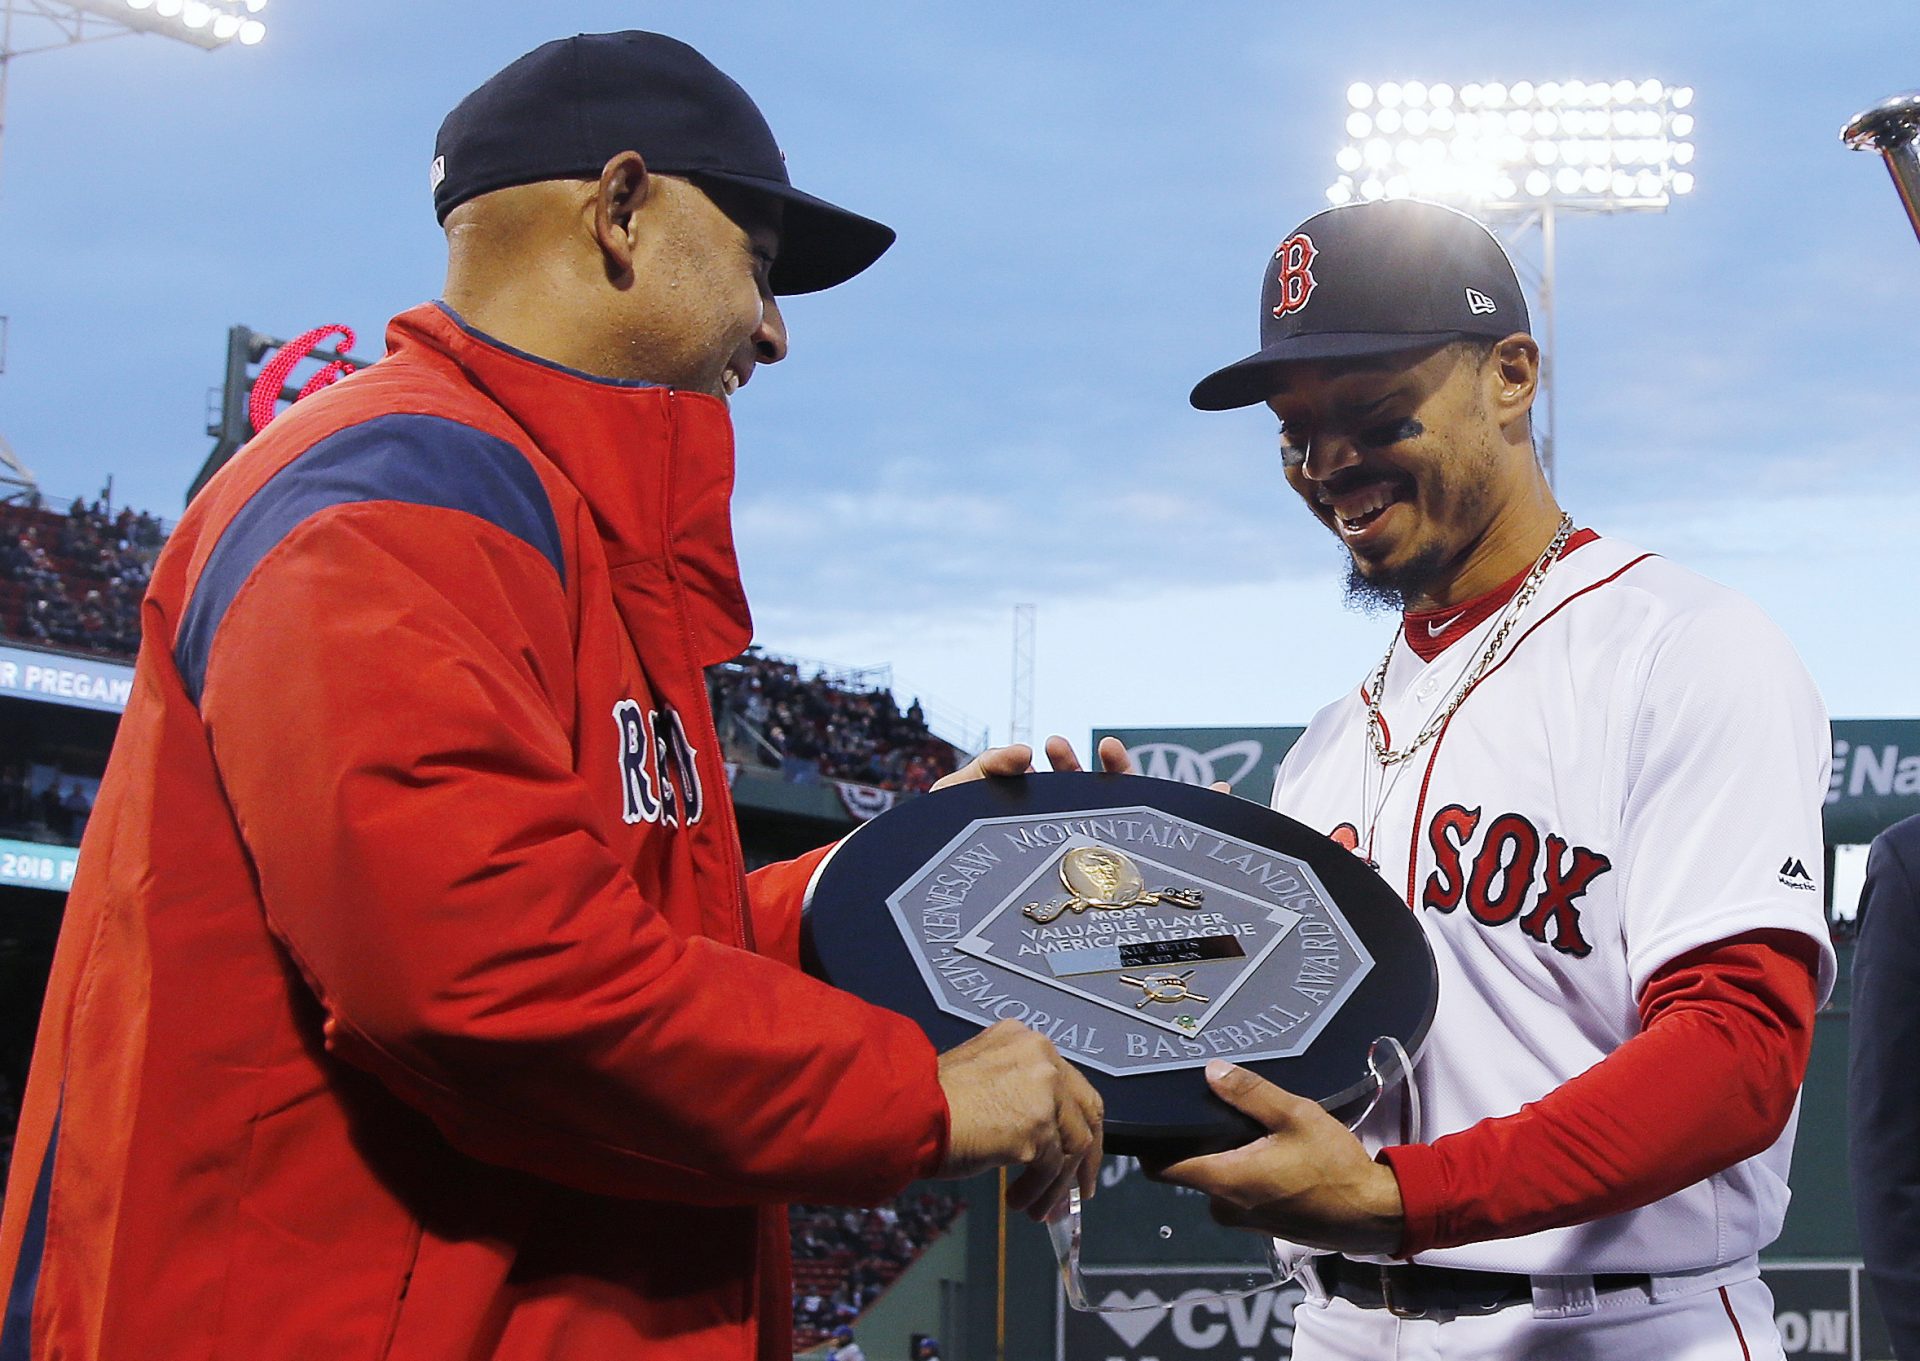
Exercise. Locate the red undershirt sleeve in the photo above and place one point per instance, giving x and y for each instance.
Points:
(1710, 1080)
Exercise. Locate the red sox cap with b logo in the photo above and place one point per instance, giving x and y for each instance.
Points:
(1372, 279)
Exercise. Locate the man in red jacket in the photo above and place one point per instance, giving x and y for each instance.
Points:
(411, 1000)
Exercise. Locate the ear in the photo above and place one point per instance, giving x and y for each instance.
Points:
(1513, 379)
(624, 188)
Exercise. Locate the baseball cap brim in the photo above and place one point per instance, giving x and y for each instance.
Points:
(1248, 381)
(821, 243)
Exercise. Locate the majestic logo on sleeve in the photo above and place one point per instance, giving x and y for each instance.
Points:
(1793, 874)
(659, 778)
(1295, 280)
(1505, 871)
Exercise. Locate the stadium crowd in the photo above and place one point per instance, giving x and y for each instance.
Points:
(772, 713)
(844, 1258)
(76, 579)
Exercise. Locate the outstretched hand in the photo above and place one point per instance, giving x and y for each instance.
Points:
(1017, 759)
(1115, 759)
(1113, 754)
(1308, 1180)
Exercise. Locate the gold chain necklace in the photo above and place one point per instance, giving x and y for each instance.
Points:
(1381, 752)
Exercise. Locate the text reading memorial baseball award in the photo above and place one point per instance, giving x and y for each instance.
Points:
(1145, 927)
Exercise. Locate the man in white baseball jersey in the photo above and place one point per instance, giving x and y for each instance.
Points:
(1596, 778)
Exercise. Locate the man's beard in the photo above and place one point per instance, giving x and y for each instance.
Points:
(1465, 482)
(1392, 590)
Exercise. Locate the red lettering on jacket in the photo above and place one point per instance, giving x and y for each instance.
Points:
(1556, 902)
(1452, 827)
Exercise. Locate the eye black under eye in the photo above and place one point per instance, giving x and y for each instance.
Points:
(1397, 431)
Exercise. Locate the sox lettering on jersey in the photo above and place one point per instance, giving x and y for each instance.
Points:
(659, 779)
(1496, 871)
(1496, 880)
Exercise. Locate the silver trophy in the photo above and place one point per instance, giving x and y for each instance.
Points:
(1891, 128)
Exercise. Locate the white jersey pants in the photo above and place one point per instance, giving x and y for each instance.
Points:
(1724, 1323)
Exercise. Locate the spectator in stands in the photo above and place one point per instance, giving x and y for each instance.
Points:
(75, 805)
(52, 814)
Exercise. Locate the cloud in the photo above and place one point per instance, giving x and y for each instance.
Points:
(1021, 527)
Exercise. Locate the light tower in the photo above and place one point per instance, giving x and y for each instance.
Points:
(31, 26)
(1518, 156)
(1020, 725)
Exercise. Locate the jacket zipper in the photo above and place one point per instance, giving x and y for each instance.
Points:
(709, 730)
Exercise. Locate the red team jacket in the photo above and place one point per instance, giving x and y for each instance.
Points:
(411, 1001)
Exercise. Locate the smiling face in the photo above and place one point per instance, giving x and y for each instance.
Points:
(704, 313)
(1421, 465)
(631, 276)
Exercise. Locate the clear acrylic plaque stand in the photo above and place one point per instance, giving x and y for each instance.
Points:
(1143, 1244)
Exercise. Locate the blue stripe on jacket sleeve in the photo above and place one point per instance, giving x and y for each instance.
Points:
(16, 1324)
(419, 460)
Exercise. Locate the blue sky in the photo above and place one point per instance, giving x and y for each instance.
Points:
(997, 413)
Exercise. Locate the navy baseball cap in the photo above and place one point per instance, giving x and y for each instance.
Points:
(569, 106)
(1372, 279)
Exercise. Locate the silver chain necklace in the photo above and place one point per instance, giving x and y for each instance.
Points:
(1387, 757)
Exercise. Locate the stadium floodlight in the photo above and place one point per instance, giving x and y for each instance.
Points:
(30, 26)
(1627, 140)
(1520, 153)
(204, 23)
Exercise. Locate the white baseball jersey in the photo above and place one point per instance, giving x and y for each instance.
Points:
(1640, 773)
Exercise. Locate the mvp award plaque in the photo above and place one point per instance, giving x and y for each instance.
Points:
(1143, 926)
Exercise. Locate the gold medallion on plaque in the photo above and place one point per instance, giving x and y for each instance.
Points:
(1099, 877)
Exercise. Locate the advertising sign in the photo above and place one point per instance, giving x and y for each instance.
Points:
(1245, 758)
(1184, 1320)
(1826, 1309)
(1875, 781)
(81, 682)
(28, 864)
